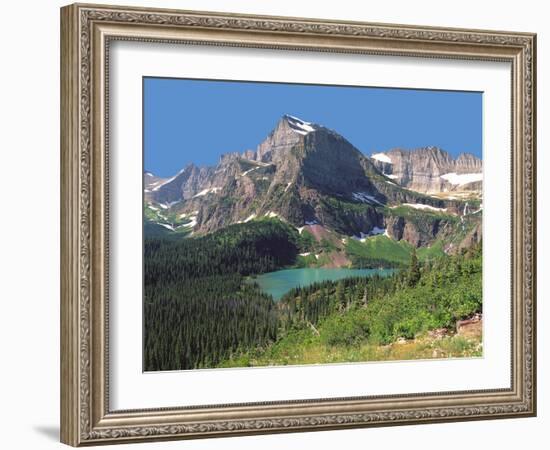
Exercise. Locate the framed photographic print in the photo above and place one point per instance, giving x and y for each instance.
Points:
(277, 224)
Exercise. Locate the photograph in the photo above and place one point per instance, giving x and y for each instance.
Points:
(285, 221)
(297, 224)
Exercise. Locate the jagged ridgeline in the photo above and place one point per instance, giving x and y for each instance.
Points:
(304, 198)
(306, 174)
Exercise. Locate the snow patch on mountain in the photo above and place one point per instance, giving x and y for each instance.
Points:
(168, 205)
(377, 230)
(462, 178)
(191, 224)
(374, 232)
(248, 171)
(213, 190)
(382, 157)
(422, 206)
(362, 237)
(191, 216)
(158, 185)
(259, 163)
(363, 197)
(298, 125)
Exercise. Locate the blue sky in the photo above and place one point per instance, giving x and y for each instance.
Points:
(197, 120)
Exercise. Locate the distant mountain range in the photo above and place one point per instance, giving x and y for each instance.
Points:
(313, 178)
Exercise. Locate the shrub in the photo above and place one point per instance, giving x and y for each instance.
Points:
(346, 329)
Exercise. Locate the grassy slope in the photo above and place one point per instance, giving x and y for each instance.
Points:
(379, 248)
(305, 347)
(152, 218)
(412, 214)
(430, 253)
(382, 250)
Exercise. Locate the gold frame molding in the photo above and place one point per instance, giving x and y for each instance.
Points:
(86, 31)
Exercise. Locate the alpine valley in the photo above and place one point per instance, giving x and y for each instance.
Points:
(381, 255)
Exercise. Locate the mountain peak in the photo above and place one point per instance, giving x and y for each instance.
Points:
(298, 125)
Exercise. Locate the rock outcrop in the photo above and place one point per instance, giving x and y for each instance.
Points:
(431, 170)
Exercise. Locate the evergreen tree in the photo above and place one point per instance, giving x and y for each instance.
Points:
(198, 308)
(413, 274)
(340, 295)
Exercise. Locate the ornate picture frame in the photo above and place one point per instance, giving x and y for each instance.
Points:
(87, 32)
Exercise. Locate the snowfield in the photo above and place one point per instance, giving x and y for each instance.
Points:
(376, 231)
(422, 206)
(258, 163)
(382, 157)
(169, 204)
(248, 171)
(156, 186)
(213, 190)
(299, 126)
(463, 178)
(191, 223)
(364, 198)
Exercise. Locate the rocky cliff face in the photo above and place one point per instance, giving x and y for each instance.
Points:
(287, 133)
(416, 233)
(468, 163)
(180, 187)
(430, 170)
(150, 180)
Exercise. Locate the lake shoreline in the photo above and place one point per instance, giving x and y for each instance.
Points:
(279, 282)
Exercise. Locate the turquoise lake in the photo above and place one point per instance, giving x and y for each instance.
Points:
(278, 283)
